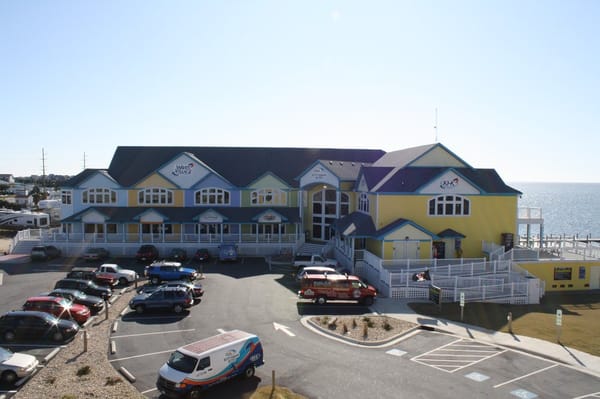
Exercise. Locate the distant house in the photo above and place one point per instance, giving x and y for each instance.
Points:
(6, 180)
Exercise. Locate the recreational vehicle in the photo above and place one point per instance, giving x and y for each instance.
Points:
(18, 220)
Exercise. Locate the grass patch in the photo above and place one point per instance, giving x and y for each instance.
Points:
(580, 320)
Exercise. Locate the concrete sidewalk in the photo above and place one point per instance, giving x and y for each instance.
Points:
(549, 350)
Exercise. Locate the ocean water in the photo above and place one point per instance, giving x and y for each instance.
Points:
(567, 208)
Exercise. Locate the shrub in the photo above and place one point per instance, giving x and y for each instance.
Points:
(113, 380)
(387, 326)
(85, 370)
(354, 324)
(365, 329)
(344, 329)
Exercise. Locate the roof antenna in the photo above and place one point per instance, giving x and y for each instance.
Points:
(436, 126)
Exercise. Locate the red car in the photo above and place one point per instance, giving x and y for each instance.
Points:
(59, 307)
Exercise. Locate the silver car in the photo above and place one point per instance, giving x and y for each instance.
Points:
(14, 366)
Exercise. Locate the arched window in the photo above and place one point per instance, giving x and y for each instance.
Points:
(449, 205)
(363, 202)
(212, 196)
(268, 196)
(99, 196)
(155, 196)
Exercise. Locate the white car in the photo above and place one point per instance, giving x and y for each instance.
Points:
(315, 270)
(14, 366)
(123, 276)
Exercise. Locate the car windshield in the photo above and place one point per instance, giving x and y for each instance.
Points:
(181, 362)
(5, 354)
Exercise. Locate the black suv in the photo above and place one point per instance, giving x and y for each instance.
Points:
(174, 298)
(146, 253)
(86, 286)
(27, 325)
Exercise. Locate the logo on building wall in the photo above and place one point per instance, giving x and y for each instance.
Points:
(448, 184)
(183, 169)
(318, 173)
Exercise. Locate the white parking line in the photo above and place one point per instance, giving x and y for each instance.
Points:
(526, 375)
(152, 333)
(144, 355)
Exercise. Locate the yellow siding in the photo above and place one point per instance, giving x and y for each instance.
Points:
(546, 271)
(490, 217)
(268, 181)
(156, 180)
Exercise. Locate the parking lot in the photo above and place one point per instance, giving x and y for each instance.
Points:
(247, 295)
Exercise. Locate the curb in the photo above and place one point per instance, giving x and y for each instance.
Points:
(310, 324)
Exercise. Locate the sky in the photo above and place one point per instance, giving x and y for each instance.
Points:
(508, 85)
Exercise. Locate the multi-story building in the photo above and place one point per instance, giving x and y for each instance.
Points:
(421, 202)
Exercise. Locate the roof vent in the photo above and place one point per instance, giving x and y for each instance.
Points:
(330, 162)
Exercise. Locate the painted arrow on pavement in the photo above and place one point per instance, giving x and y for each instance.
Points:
(283, 328)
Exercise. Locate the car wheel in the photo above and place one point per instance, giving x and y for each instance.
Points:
(368, 301)
(9, 377)
(139, 309)
(9, 336)
(321, 300)
(195, 394)
(154, 280)
(123, 281)
(249, 372)
(57, 336)
(177, 308)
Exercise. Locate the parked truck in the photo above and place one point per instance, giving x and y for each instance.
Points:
(123, 276)
(302, 260)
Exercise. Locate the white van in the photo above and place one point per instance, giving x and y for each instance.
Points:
(202, 364)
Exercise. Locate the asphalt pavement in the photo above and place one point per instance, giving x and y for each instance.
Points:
(555, 351)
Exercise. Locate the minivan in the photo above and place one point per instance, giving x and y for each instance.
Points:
(322, 288)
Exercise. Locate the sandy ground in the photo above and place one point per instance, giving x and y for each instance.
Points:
(4, 243)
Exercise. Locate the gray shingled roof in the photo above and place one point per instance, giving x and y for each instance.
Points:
(185, 215)
(238, 165)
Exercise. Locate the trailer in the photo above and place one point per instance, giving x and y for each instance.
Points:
(19, 220)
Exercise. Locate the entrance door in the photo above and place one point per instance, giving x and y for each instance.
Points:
(406, 249)
(595, 277)
(439, 250)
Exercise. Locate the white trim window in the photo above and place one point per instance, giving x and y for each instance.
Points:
(99, 196)
(155, 196)
(268, 196)
(363, 202)
(449, 205)
(212, 196)
(66, 197)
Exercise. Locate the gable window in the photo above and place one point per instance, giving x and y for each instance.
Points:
(449, 205)
(155, 196)
(212, 196)
(66, 197)
(268, 196)
(363, 203)
(99, 196)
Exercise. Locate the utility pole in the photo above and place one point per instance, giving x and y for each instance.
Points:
(43, 171)
(436, 126)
